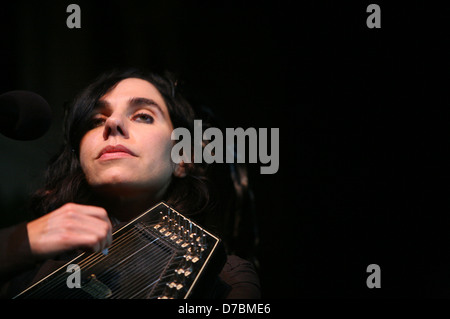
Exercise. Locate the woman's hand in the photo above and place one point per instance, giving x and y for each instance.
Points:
(70, 227)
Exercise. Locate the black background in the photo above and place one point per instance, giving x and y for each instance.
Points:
(363, 118)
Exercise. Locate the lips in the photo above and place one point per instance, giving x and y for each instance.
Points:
(115, 151)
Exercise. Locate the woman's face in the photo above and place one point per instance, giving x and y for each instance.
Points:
(128, 150)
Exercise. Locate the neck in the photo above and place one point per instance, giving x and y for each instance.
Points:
(125, 208)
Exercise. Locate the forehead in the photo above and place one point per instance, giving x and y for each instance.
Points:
(134, 88)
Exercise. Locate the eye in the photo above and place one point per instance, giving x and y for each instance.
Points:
(143, 118)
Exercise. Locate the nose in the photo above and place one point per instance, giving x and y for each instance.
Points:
(115, 125)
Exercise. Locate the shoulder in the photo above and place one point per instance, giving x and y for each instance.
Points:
(241, 276)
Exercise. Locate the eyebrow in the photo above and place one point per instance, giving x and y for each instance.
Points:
(134, 102)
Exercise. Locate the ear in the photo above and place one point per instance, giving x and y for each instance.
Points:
(180, 170)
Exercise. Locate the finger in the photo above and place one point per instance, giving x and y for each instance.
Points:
(89, 215)
(101, 215)
(91, 226)
(88, 242)
(94, 211)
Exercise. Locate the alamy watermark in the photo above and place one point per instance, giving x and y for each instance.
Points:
(214, 151)
(74, 279)
(374, 279)
(73, 21)
(374, 19)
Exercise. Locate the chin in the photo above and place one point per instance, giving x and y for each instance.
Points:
(116, 189)
(114, 184)
(113, 175)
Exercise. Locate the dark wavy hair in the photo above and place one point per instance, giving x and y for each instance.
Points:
(64, 179)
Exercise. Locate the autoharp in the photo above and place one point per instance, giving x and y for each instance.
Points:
(160, 254)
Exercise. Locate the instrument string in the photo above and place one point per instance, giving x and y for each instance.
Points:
(120, 243)
(115, 244)
(149, 273)
(157, 259)
(91, 260)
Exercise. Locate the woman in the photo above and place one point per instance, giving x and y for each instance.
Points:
(115, 164)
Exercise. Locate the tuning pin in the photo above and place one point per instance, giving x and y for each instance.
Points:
(177, 223)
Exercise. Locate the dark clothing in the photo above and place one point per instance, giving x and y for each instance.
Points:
(18, 269)
(241, 276)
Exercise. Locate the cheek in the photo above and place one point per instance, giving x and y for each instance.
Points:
(158, 150)
(167, 150)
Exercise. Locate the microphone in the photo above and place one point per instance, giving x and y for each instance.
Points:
(24, 115)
